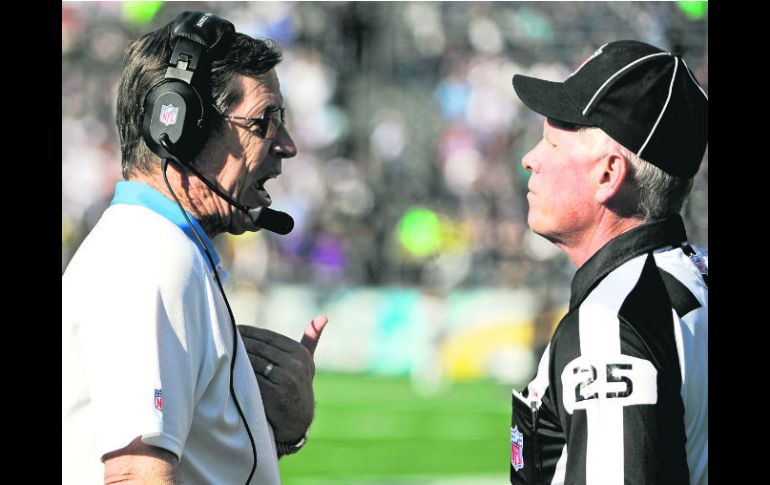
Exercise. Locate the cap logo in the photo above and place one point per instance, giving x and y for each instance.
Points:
(596, 53)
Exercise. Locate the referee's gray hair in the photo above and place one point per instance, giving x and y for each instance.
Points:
(660, 194)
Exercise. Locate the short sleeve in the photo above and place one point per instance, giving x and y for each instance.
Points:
(142, 355)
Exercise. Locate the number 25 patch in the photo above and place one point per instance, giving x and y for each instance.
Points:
(621, 379)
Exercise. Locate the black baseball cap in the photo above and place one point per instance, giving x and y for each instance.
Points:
(645, 98)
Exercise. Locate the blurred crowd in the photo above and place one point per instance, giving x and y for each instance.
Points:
(410, 135)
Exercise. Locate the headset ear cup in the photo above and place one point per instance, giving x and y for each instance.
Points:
(175, 108)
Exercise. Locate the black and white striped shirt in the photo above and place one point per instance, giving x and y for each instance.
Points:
(621, 392)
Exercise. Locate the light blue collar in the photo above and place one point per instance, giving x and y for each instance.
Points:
(137, 193)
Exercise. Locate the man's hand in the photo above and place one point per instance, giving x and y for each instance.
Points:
(287, 384)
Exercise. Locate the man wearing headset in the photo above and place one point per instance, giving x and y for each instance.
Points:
(158, 386)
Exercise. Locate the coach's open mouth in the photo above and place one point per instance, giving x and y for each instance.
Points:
(260, 186)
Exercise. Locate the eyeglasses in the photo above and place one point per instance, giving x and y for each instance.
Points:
(267, 126)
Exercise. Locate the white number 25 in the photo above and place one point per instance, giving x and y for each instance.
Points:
(621, 380)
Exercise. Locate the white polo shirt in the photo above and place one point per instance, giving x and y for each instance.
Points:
(146, 350)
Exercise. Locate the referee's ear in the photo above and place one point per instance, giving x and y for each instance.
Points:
(612, 176)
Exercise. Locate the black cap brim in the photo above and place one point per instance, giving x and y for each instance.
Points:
(548, 98)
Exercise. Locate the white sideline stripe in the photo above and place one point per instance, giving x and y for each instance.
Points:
(628, 66)
(665, 105)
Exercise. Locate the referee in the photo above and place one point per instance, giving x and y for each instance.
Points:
(621, 391)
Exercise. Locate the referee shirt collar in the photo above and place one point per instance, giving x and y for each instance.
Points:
(639, 240)
(137, 193)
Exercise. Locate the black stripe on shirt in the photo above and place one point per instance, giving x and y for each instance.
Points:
(658, 455)
(682, 299)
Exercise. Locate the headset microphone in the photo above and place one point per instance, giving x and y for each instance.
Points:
(264, 217)
(272, 220)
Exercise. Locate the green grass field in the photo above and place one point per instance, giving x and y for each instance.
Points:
(379, 430)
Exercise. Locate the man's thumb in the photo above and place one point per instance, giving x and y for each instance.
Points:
(313, 333)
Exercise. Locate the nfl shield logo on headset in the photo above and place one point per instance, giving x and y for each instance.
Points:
(168, 114)
(517, 449)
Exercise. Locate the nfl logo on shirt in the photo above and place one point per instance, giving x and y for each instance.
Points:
(158, 399)
(168, 114)
(517, 449)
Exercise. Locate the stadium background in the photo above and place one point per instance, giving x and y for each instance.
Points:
(409, 202)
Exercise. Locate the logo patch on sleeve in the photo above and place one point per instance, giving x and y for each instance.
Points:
(159, 399)
(517, 449)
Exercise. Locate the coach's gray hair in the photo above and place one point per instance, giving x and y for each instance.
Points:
(660, 194)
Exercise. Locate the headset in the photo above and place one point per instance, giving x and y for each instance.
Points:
(179, 105)
(175, 127)
(178, 109)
